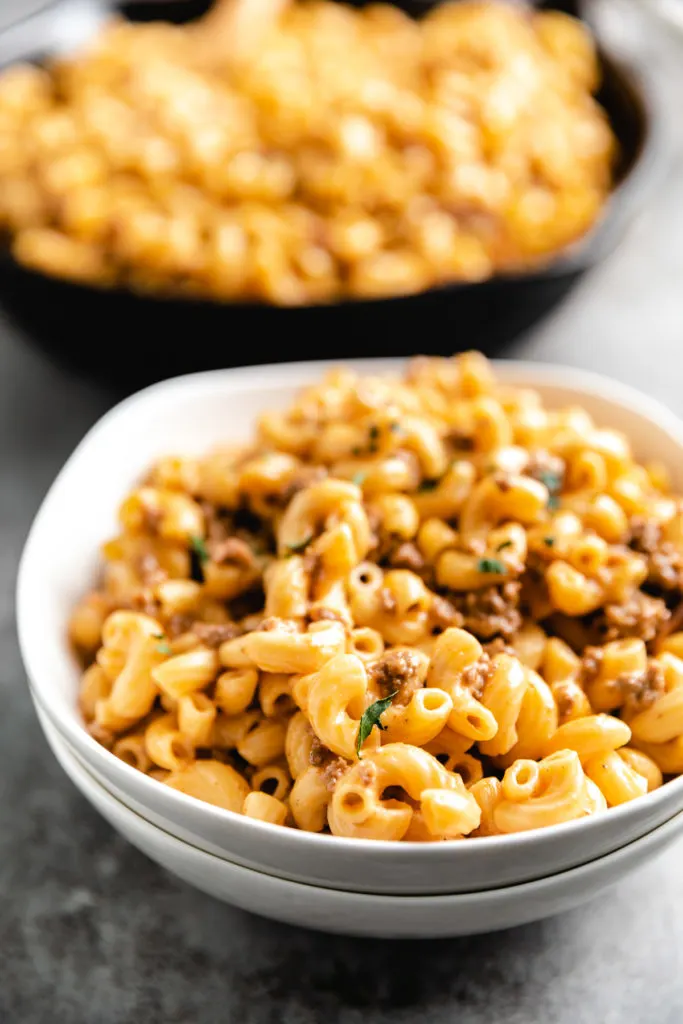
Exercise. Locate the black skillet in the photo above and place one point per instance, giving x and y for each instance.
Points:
(129, 340)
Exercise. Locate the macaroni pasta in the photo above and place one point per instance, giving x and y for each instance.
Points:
(299, 152)
(418, 610)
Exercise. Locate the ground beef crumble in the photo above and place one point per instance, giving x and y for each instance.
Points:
(503, 481)
(671, 625)
(591, 662)
(491, 612)
(566, 694)
(232, 550)
(213, 635)
(476, 676)
(151, 517)
(443, 613)
(641, 616)
(640, 690)
(407, 556)
(178, 624)
(331, 766)
(498, 646)
(634, 690)
(665, 564)
(143, 600)
(216, 525)
(234, 536)
(645, 535)
(401, 670)
(460, 441)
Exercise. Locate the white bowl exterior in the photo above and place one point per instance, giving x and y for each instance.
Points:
(190, 415)
(368, 915)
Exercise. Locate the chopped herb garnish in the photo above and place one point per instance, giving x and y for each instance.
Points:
(198, 556)
(357, 450)
(549, 541)
(428, 485)
(491, 565)
(551, 479)
(395, 428)
(373, 434)
(163, 647)
(505, 544)
(359, 479)
(200, 549)
(296, 549)
(372, 717)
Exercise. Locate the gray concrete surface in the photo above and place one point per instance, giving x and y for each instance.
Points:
(91, 932)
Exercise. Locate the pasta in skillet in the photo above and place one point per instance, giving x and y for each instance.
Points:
(416, 609)
(301, 152)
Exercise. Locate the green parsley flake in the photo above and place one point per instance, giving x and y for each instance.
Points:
(549, 541)
(163, 647)
(551, 479)
(493, 565)
(372, 717)
(296, 549)
(428, 485)
(200, 549)
(505, 544)
(359, 479)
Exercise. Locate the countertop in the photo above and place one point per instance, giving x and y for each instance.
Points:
(93, 933)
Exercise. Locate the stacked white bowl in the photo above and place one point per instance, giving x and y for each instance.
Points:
(350, 886)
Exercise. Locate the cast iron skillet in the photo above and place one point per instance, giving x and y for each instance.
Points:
(129, 340)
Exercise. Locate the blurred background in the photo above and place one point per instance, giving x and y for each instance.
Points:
(350, 178)
(90, 931)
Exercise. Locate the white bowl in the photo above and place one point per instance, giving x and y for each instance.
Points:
(60, 562)
(350, 913)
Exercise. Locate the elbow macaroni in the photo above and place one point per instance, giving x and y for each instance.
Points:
(165, 159)
(452, 638)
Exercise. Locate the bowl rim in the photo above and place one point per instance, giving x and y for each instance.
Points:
(532, 887)
(521, 372)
